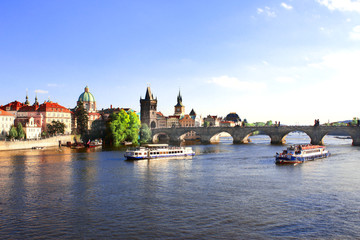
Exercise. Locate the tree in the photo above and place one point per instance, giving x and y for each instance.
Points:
(56, 127)
(97, 129)
(13, 133)
(118, 126)
(82, 120)
(145, 133)
(206, 124)
(20, 131)
(132, 131)
(269, 123)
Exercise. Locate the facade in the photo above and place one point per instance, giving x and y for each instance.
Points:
(227, 124)
(148, 113)
(54, 112)
(213, 121)
(161, 120)
(32, 130)
(6, 121)
(187, 121)
(172, 121)
(89, 103)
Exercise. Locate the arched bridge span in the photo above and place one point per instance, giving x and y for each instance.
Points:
(277, 134)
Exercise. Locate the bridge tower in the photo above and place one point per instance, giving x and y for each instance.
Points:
(179, 107)
(148, 110)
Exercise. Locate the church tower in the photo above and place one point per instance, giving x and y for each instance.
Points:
(148, 107)
(179, 107)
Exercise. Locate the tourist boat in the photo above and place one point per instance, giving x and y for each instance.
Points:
(301, 153)
(156, 151)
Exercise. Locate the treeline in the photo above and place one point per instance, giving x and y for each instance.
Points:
(120, 128)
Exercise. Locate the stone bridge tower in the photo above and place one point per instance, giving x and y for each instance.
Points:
(148, 110)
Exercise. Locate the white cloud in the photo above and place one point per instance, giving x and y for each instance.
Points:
(286, 6)
(234, 83)
(285, 80)
(267, 11)
(355, 34)
(41, 91)
(341, 5)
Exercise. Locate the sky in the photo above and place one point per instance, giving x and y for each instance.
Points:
(289, 60)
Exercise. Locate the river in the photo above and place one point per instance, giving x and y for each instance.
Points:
(225, 192)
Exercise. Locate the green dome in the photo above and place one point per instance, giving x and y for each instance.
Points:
(86, 96)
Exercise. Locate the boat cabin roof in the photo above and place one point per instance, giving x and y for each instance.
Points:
(156, 145)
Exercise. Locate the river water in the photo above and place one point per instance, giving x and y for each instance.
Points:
(225, 192)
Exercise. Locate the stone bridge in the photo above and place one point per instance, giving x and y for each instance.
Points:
(239, 134)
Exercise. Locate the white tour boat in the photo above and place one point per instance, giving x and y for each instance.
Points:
(301, 153)
(156, 151)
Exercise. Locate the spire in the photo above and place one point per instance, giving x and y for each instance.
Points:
(86, 89)
(149, 95)
(179, 98)
(36, 100)
(27, 98)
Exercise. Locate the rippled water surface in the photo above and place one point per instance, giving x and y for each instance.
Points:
(225, 192)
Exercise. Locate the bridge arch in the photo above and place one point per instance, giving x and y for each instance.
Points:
(191, 135)
(160, 137)
(215, 138)
(341, 135)
(301, 137)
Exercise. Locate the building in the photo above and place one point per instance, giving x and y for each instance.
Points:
(6, 121)
(198, 119)
(172, 121)
(32, 130)
(51, 111)
(227, 123)
(213, 121)
(179, 107)
(148, 113)
(233, 117)
(12, 107)
(161, 120)
(89, 103)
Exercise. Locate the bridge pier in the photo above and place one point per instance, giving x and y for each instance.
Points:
(356, 141)
(277, 139)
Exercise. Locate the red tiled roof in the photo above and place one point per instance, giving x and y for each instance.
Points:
(27, 108)
(5, 113)
(14, 106)
(52, 107)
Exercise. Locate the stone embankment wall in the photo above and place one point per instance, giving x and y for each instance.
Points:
(48, 142)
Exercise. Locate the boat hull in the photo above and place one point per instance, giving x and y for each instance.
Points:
(181, 156)
(299, 159)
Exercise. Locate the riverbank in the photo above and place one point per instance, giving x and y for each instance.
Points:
(43, 143)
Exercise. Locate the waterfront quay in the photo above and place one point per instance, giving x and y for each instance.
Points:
(239, 134)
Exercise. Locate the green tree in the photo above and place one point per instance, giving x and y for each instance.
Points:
(118, 126)
(56, 127)
(82, 120)
(20, 131)
(97, 130)
(354, 121)
(269, 123)
(132, 131)
(145, 133)
(206, 124)
(13, 133)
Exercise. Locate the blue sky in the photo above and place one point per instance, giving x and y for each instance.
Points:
(289, 60)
